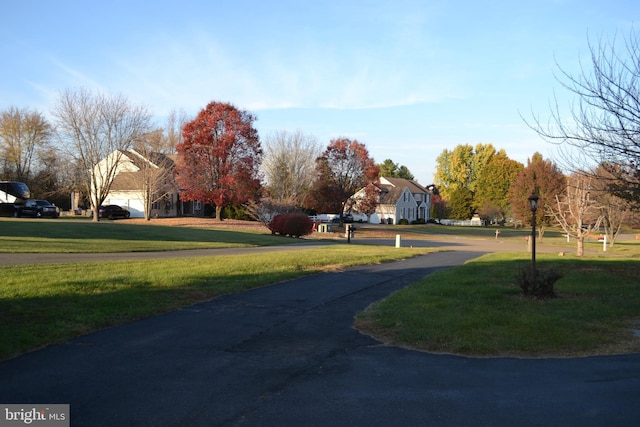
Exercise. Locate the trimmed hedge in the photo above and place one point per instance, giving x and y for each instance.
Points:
(291, 224)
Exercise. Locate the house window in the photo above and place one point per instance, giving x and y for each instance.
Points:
(197, 205)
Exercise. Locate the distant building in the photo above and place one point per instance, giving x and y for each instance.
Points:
(127, 189)
(399, 198)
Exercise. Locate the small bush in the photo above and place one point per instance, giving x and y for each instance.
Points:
(418, 221)
(291, 224)
(236, 212)
(542, 287)
(403, 221)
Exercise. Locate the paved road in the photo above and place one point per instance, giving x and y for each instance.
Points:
(443, 242)
(48, 258)
(287, 354)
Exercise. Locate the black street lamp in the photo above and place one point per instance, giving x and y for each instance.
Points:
(533, 204)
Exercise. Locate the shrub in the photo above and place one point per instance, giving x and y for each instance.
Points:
(418, 221)
(291, 224)
(236, 212)
(542, 287)
(403, 221)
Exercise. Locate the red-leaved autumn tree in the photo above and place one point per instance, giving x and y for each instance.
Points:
(219, 158)
(542, 177)
(343, 168)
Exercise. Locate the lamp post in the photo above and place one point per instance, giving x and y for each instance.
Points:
(533, 204)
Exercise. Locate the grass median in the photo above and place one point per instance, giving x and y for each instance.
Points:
(50, 303)
(478, 309)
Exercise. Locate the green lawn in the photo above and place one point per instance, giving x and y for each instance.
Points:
(50, 303)
(478, 309)
(81, 236)
(474, 309)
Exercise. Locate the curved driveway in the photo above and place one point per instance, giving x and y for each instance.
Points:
(287, 355)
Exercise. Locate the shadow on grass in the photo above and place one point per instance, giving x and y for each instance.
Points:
(30, 323)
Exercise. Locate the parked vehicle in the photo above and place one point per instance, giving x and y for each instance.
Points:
(12, 195)
(360, 217)
(346, 219)
(113, 212)
(13, 192)
(37, 209)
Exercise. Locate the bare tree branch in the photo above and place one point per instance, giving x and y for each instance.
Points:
(603, 122)
(95, 129)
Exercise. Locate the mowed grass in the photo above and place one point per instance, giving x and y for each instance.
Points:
(45, 304)
(475, 309)
(82, 236)
(478, 309)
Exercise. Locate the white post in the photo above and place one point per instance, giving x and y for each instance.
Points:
(398, 240)
(604, 243)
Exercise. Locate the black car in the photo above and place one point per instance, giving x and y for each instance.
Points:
(37, 209)
(113, 212)
(346, 219)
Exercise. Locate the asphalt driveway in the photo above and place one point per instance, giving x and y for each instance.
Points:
(287, 355)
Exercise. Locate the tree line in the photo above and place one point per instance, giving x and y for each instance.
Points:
(216, 157)
(220, 158)
(482, 181)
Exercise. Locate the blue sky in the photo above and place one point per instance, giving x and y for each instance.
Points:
(406, 78)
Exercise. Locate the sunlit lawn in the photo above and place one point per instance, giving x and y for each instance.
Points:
(474, 309)
(72, 236)
(478, 309)
(43, 304)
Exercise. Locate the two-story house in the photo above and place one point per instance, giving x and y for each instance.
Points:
(399, 198)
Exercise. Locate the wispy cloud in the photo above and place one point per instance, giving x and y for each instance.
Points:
(75, 77)
(199, 69)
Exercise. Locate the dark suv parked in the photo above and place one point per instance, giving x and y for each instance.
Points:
(37, 209)
(113, 212)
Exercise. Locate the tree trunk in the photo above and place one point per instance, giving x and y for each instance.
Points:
(219, 212)
(95, 211)
(580, 248)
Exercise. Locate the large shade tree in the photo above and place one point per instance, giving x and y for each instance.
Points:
(461, 167)
(95, 129)
(219, 157)
(491, 199)
(343, 168)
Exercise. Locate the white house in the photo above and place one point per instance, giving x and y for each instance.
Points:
(399, 198)
(127, 188)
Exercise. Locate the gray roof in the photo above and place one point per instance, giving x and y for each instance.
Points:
(391, 193)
